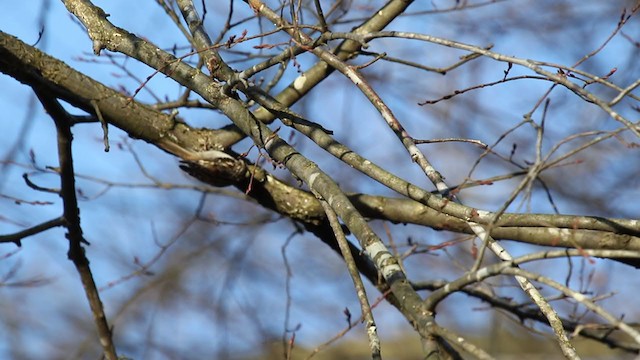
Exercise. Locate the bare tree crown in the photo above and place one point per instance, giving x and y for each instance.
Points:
(479, 148)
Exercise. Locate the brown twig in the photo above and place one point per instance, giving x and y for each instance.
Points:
(71, 218)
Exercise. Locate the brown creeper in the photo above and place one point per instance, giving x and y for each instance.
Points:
(215, 168)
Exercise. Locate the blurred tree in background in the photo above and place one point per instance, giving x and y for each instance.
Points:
(331, 179)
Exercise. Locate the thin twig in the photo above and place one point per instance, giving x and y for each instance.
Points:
(71, 216)
(370, 325)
